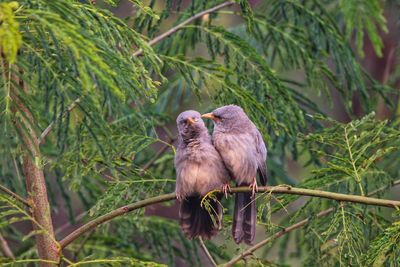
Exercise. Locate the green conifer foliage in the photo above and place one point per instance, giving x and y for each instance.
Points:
(97, 96)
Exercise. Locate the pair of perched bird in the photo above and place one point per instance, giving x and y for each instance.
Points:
(203, 163)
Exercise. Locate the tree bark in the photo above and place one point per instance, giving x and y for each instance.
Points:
(47, 246)
(35, 183)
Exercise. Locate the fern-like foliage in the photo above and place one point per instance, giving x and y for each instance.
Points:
(349, 158)
(384, 250)
(104, 118)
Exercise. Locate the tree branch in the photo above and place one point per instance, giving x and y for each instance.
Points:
(68, 224)
(14, 195)
(157, 155)
(111, 215)
(267, 189)
(395, 183)
(284, 189)
(35, 181)
(46, 132)
(6, 248)
(181, 25)
(291, 228)
(273, 237)
(208, 254)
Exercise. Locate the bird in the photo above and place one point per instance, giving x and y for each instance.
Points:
(244, 153)
(199, 170)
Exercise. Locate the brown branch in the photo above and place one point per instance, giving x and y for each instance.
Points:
(34, 176)
(395, 183)
(46, 131)
(37, 191)
(81, 246)
(267, 189)
(273, 237)
(297, 225)
(68, 224)
(208, 254)
(157, 155)
(284, 189)
(14, 195)
(6, 248)
(181, 25)
(111, 215)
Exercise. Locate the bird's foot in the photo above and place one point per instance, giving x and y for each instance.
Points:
(179, 197)
(254, 188)
(225, 189)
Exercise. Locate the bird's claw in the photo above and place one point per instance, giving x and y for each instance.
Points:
(254, 188)
(179, 197)
(225, 189)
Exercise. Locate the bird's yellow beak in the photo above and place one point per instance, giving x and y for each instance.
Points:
(209, 116)
(191, 121)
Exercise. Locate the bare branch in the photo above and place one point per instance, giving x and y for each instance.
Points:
(268, 189)
(14, 195)
(285, 189)
(35, 184)
(286, 230)
(291, 228)
(111, 215)
(181, 25)
(6, 248)
(395, 183)
(159, 153)
(208, 254)
(81, 246)
(68, 224)
(46, 132)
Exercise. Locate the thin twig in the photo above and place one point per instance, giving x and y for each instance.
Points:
(157, 155)
(269, 189)
(111, 215)
(81, 245)
(17, 169)
(46, 132)
(181, 25)
(286, 230)
(208, 254)
(40, 261)
(14, 195)
(291, 228)
(284, 189)
(68, 224)
(395, 183)
(6, 248)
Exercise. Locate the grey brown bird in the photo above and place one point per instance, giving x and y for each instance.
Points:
(243, 151)
(199, 170)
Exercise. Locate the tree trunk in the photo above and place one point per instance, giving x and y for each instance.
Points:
(47, 246)
(36, 186)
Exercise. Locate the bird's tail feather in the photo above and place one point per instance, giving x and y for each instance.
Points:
(196, 220)
(244, 218)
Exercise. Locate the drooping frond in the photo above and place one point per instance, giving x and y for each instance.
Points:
(102, 94)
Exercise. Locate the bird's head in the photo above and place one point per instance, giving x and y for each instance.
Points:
(228, 117)
(190, 125)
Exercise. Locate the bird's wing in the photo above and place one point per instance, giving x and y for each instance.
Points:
(261, 157)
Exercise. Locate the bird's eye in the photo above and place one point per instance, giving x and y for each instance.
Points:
(191, 120)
